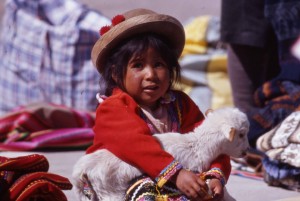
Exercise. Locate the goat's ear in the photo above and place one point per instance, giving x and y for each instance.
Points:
(231, 134)
(208, 111)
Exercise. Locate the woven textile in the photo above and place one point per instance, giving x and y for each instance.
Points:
(146, 189)
(276, 100)
(45, 51)
(204, 64)
(281, 146)
(46, 126)
(26, 178)
(281, 174)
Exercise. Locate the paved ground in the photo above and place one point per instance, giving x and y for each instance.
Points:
(62, 162)
(240, 188)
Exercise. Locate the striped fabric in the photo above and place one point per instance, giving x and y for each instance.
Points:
(26, 178)
(204, 64)
(146, 189)
(275, 100)
(46, 126)
(45, 51)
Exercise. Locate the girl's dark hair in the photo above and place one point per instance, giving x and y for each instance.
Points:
(117, 62)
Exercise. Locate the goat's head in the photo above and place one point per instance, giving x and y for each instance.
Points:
(232, 126)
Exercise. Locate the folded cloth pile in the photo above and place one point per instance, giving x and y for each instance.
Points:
(46, 126)
(26, 178)
(282, 145)
(204, 64)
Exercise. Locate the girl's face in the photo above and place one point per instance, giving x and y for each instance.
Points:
(147, 78)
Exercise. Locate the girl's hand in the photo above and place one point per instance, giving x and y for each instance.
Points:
(191, 185)
(217, 189)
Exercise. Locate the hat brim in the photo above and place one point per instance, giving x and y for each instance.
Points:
(169, 28)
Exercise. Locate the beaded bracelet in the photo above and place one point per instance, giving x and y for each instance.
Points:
(216, 173)
(168, 172)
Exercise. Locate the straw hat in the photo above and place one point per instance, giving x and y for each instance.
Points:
(135, 22)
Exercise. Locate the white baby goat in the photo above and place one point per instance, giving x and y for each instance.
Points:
(224, 131)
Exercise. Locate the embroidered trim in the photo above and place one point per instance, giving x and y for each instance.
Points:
(146, 189)
(174, 112)
(178, 109)
(174, 108)
(167, 173)
(216, 173)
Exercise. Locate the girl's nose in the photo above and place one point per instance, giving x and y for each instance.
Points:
(150, 72)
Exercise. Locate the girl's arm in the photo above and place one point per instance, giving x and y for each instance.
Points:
(120, 129)
(220, 169)
(192, 117)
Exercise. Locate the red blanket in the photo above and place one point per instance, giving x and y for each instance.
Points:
(46, 126)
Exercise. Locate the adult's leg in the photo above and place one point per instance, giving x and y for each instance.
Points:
(249, 67)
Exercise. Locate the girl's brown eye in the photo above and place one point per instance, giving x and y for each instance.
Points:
(137, 65)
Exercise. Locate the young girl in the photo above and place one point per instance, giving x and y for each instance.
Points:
(138, 58)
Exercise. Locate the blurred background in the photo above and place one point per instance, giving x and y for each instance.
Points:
(45, 51)
(183, 10)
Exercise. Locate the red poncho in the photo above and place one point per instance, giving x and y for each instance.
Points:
(120, 129)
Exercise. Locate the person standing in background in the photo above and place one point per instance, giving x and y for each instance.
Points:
(264, 75)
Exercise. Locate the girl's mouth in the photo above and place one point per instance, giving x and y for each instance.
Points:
(151, 88)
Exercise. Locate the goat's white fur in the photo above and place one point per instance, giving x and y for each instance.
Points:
(224, 131)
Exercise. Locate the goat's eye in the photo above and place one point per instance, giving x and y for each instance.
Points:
(241, 135)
